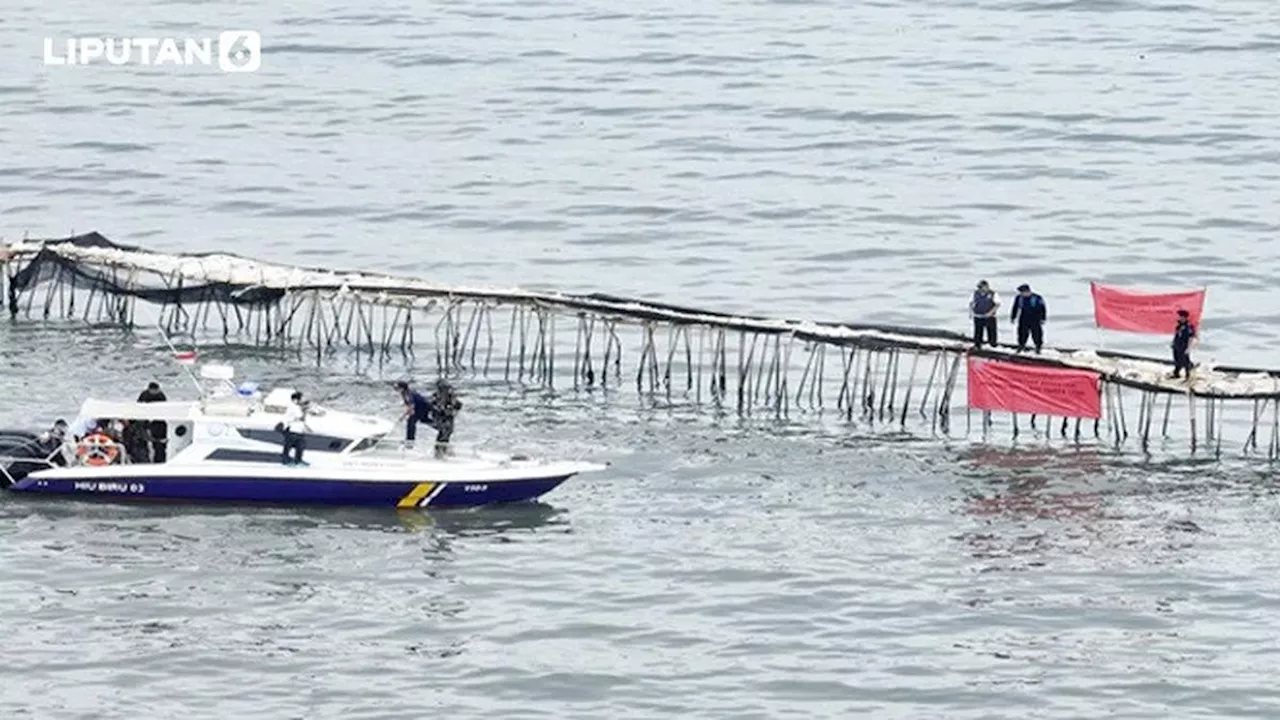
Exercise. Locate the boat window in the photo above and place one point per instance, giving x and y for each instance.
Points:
(366, 443)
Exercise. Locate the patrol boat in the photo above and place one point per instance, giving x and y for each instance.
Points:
(224, 447)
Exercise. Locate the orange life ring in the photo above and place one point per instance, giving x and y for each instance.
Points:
(97, 449)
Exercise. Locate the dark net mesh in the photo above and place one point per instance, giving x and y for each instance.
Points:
(48, 266)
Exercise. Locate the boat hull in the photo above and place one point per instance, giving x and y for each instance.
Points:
(292, 491)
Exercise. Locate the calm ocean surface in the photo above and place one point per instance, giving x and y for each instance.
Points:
(842, 161)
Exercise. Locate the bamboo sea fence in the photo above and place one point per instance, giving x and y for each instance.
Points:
(875, 376)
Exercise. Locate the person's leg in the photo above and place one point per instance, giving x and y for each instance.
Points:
(411, 428)
(1023, 331)
(284, 447)
(991, 332)
(1037, 336)
(299, 444)
(1177, 362)
(979, 326)
(159, 442)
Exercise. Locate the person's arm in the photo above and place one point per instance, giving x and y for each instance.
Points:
(1044, 310)
(995, 305)
(1017, 305)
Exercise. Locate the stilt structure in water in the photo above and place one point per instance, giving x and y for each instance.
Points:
(881, 376)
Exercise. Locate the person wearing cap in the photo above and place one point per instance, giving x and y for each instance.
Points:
(1029, 312)
(417, 409)
(1183, 336)
(983, 306)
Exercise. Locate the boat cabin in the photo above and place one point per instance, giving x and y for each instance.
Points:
(239, 425)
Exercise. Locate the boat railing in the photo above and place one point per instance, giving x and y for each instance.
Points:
(7, 460)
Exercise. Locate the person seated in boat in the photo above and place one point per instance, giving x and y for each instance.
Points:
(294, 428)
(113, 429)
(54, 440)
(417, 409)
(55, 435)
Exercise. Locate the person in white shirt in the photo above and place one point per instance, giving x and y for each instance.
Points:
(295, 427)
(81, 427)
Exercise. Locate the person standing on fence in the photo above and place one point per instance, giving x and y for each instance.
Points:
(1183, 337)
(1029, 312)
(983, 306)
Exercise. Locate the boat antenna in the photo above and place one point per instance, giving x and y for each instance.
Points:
(185, 367)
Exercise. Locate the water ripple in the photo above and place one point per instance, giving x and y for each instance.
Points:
(803, 158)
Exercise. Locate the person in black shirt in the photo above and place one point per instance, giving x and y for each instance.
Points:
(417, 409)
(446, 405)
(134, 438)
(1029, 312)
(983, 307)
(1183, 335)
(157, 430)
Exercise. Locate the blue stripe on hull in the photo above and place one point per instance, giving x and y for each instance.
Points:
(299, 492)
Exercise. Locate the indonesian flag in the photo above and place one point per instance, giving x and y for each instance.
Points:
(184, 357)
(1142, 312)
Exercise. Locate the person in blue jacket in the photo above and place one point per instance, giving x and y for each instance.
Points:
(417, 409)
(1029, 312)
(983, 307)
(1183, 335)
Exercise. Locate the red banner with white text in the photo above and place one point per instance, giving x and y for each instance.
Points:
(1141, 312)
(1033, 389)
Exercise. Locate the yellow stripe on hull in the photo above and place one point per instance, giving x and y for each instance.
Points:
(415, 496)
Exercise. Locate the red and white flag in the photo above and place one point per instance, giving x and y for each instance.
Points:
(184, 357)
(1142, 312)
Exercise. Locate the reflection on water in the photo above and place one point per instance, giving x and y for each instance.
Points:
(292, 521)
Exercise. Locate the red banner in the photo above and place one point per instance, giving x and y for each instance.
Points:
(1033, 389)
(1140, 312)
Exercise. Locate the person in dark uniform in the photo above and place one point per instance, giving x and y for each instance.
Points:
(983, 306)
(157, 430)
(1183, 335)
(1029, 312)
(446, 405)
(417, 409)
(134, 438)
